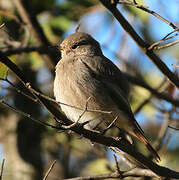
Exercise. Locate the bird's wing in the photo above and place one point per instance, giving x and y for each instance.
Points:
(114, 83)
(102, 66)
(111, 78)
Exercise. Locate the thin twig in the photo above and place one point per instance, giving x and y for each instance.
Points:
(135, 2)
(49, 170)
(18, 90)
(148, 11)
(26, 115)
(57, 102)
(28, 49)
(177, 29)
(2, 25)
(123, 156)
(166, 45)
(175, 65)
(80, 116)
(110, 125)
(162, 133)
(2, 168)
(117, 165)
(77, 27)
(175, 128)
(154, 45)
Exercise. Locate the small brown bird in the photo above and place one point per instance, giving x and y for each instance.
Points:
(84, 76)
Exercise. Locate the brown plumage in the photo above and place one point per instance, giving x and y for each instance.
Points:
(84, 72)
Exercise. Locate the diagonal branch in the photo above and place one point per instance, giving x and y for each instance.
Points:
(154, 92)
(140, 42)
(32, 23)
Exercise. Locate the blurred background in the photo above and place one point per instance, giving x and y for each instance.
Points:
(27, 38)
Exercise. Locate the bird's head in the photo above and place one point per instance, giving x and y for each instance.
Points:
(79, 44)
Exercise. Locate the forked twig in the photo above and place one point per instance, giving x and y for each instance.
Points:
(166, 45)
(154, 45)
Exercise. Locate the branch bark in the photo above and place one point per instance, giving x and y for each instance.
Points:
(136, 172)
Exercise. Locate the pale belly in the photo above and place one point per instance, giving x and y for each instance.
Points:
(83, 116)
(94, 118)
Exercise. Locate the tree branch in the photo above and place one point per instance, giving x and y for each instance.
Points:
(34, 26)
(154, 92)
(140, 42)
(135, 172)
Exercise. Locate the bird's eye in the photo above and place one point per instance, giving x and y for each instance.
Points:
(74, 46)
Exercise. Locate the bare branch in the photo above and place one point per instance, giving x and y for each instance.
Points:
(177, 66)
(166, 45)
(127, 2)
(49, 170)
(2, 25)
(110, 125)
(143, 84)
(39, 49)
(155, 45)
(35, 28)
(26, 115)
(124, 157)
(136, 172)
(117, 166)
(173, 128)
(140, 42)
(80, 116)
(18, 90)
(2, 168)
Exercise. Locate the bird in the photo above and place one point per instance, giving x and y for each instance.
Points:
(84, 77)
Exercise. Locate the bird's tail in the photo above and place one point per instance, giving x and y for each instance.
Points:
(142, 138)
